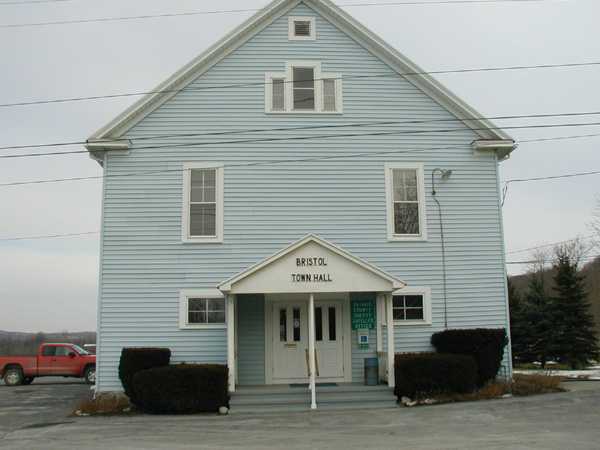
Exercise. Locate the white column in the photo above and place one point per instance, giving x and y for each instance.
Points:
(231, 340)
(390, 339)
(311, 351)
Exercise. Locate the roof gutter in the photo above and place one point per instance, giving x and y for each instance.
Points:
(487, 146)
(99, 147)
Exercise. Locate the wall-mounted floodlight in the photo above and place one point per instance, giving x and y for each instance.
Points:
(446, 174)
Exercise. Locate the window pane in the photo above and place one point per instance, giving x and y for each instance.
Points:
(278, 94)
(196, 304)
(296, 324)
(203, 184)
(304, 77)
(332, 330)
(216, 304)
(282, 324)
(406, 218)
(215, 317)
(203, 220)
(398, 314)
(319, 324)
(329, 95)
(405, 185)
(414, 314)
(197, 317)
(413, 301)
(304, 99)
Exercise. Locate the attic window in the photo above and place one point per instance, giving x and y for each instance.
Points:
(302, 29)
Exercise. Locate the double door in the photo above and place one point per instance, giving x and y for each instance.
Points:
(290, 340)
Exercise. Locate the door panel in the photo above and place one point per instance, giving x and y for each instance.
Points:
(290, 336)
(290, 340)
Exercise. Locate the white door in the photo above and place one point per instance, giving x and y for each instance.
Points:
(290, 341)
(329, 339)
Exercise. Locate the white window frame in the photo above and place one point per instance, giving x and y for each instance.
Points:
(288, 79)
(292, 28)
(425, 292)
(389, 192)
(185, 209)
(185, 295)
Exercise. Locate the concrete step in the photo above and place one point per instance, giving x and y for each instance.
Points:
(286, 398)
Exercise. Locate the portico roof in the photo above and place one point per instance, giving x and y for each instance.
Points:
(311, 265)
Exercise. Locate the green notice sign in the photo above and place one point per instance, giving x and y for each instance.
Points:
(363, 315)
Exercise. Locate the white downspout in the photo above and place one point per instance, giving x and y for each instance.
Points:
(390, 339)
(231, 340)
(311, 351)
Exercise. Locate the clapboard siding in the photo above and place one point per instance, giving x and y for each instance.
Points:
(326, 181)
(251, 339)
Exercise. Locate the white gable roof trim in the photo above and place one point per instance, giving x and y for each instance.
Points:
(125, 121)
(360, 270)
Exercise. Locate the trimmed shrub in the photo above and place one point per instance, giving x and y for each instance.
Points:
(485, 345)
(134, 360)
(425, 374)
(182, 388)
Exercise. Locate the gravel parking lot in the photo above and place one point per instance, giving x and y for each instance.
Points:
(36, 417)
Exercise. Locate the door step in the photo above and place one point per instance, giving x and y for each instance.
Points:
(285, 398)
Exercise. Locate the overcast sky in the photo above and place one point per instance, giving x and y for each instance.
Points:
(51, 284)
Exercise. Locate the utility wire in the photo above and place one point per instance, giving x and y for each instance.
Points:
(231, 11)
(301, 138)
(552, 245)
(272, 162)
(315, 127)
(262, 83)
(506, 183)
(49, 236)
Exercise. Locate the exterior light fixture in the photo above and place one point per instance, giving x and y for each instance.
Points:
(445, 176)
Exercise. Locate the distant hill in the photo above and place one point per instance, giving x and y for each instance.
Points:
(14, 343)
(52, 336)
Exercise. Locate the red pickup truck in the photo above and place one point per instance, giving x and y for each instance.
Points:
(59, 360)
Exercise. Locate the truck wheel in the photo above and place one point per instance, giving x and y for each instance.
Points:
(90, 375)
(13, 377)
(27, 380)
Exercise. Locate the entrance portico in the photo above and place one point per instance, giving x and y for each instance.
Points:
(302, 298)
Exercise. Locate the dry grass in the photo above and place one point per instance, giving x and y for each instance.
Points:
(521, 385)
(105, 405)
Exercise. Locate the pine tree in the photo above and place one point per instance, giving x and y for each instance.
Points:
(536, 322)
(574, 341)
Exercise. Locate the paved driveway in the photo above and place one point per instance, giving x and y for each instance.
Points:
(554, 421)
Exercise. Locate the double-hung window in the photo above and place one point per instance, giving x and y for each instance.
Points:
(303, 89)
(201, 309)
(405, 196)
(202, 208)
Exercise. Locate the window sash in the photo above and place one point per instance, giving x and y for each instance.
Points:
(405, 202)
(303, 89)
(408, 307)
(202, 311)
(202, 203)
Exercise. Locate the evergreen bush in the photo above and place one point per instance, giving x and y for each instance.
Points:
(425, 374)
(182, 388)
(484, 345)
(136, 359)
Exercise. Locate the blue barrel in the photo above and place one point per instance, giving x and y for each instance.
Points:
(371, 371)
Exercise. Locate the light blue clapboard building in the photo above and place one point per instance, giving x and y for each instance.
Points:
(285, 201)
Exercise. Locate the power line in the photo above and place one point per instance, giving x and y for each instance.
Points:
(300, 138)
(298, 160)
(262, 83)
(506, 183)
(49, 236)
(231, 11)
(552, 245)
(360, 124)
